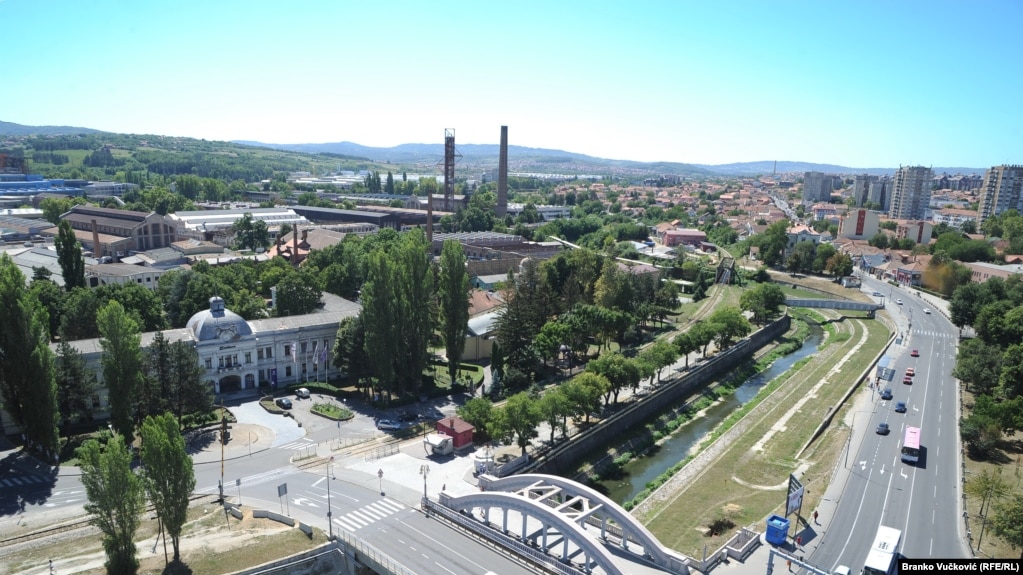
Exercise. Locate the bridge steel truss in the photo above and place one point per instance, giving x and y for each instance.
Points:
(564, 508)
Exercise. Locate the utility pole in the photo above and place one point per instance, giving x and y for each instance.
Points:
(330, 521)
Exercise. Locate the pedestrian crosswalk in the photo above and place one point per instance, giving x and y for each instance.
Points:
(933, 334)
(300, 444)
(355, 520)
(23, 480)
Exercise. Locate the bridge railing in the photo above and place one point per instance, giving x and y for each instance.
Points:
(498, 539)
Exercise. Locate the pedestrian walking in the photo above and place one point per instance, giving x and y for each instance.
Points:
(799, 541)
(815, 517)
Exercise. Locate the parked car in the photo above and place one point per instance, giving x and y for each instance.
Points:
(385, 424)
(907, 380)
(283, 403)
(407, 416)
(878, 294)
(900, 407)
(887, 393)
(882, 429)
(302, 393)
(898, 301)
(914, 353)
(910, 372)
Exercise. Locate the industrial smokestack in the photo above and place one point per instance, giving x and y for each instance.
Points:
(294, 249)
(97, 250)
(502, 175)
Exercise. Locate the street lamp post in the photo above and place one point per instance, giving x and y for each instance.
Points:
(330, 521)
(424, 470)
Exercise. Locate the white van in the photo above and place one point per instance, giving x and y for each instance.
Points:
(302, 393)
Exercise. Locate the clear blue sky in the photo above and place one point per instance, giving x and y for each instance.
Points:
(858, 83)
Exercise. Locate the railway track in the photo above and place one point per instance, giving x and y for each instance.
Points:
(75, 526)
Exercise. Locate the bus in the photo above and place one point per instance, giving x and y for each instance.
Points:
(881, 560)
(911, 445)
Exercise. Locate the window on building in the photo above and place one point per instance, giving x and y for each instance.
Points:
(220, 362)
(259, 353)
(209, 363)
(95, 401)
(287, 371)
(248, 357)
(287, 350)
(269, 353)
(314, 345)
(304, 368)
(303, 346)
(234, 359)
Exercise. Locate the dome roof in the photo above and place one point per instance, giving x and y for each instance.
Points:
(218, 323)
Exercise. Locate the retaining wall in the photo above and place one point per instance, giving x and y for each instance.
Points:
(568, 455)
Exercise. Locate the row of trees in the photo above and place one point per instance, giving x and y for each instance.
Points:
(404, 298)
(602, 381)
(41, 389)
(991, 367)
(117, 494)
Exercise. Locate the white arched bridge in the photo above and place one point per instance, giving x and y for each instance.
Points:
(834, 304)
(567, 520)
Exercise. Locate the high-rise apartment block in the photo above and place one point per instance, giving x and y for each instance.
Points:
(1002, 190)
(817, 187)
(861, 188)
(911, 193)
(880, 193)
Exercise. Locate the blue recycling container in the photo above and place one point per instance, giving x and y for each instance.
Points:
(777, 530)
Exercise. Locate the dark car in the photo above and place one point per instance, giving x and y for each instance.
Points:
(887, 393)
(900, 407)
(914, 353)
(882, 429)
(407, 416)
(907, 380)
(283, 403)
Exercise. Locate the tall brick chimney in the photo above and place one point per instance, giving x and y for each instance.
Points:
(97, 250)
(502, 176)
(294, 247)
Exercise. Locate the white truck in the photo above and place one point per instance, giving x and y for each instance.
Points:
(438, 444)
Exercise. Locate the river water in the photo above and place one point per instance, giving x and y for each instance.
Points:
(639, 472)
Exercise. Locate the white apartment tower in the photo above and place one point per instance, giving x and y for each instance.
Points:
(911, 193)
(1002, 190)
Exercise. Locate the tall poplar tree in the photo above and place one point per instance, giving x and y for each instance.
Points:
(27, 381)
(169, 477)
(380, 310)
(69, 256)
(76, 384)
(454, 303)
(122, 364)
(116, 501)
(415, 302)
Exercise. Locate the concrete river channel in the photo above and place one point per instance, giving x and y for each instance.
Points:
(642, 470)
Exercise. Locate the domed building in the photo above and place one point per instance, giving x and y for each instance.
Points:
(226, 346)
(238, 355)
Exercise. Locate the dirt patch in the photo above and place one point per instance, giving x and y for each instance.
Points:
(211, 543)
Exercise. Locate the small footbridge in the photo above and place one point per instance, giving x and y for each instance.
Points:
(567, 520)
(842, 304)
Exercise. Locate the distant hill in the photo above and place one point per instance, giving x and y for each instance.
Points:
(522, 158)
(767, 167)
(12, 129)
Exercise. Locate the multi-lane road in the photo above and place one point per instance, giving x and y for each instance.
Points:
(922, 500)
